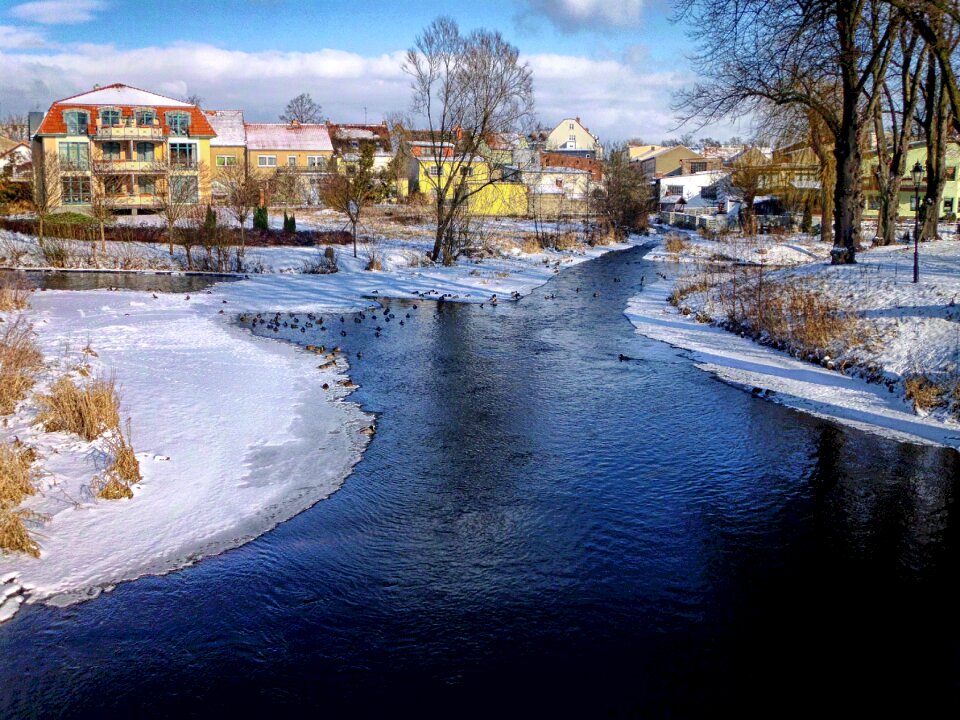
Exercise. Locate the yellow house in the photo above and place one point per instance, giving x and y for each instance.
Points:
(301, 149)
(908, 192)
(127, 143)
(665, 161)
(431, 174)
(639, 152)
(570, 136)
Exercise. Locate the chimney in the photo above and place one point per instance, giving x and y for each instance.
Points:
(294, 123)
(96, 86)
(578, 120)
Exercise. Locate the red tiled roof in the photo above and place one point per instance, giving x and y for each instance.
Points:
(594, 167)
(53, 122)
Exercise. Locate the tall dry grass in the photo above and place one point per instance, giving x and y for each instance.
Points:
(20, 358)
(86, 410)
(14, 293)
(16, 483)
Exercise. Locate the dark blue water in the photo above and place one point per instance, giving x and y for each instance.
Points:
(539, 528)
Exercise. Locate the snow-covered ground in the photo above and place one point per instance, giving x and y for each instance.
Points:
(913, 329)
(234, 433)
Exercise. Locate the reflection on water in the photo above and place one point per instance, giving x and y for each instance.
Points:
(538, 527)
(93, 280)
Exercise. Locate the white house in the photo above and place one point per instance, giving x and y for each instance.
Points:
(16, 161)
(688, 187)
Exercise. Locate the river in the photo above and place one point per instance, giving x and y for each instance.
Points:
(540, 526)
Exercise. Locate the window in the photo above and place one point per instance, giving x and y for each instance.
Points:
(225, 160)
(558, 182)
(145, 117)
(314, 161)
(291, 160)
(145, 152)
(183, 155)
(913, 203)
(77, 122)
(573, 139)
(74, 156)
(110, 151)
(698, 167)
(675, 190)
(113, 185)
(76, 190)
(184, 188)
(147, 186)
(947, 206)
(433, 170)
(179, 123)
(109, 117)
(873, 202)
(267, 161)
(466, 171)
(951, 173)
(570, 126)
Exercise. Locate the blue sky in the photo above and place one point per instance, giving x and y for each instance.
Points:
(615, 63)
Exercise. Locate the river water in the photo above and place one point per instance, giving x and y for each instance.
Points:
(539, 527)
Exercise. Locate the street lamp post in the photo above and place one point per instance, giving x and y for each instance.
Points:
(917, 174)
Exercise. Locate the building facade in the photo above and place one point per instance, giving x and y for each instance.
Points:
(128, 145)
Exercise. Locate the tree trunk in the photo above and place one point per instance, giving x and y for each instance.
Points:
(40, 219)
(936, 125)
(821, 142)
(847, 195)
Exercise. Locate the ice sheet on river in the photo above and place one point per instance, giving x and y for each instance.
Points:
(796, 384)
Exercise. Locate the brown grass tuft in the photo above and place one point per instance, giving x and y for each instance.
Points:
(125, 463)
(115, 489)
(16, 475)
(923, 392)
(13, 534)
(19, 360)
(693, 284)
(530, 244)
(14, 293)
(674, 243)
(86, 411)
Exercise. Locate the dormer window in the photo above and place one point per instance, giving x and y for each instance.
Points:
(109, 117)
(77, 121)
(145, 118)
(179, 123)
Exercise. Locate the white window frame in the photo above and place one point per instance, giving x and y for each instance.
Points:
(314, 160)
(293, 158)
(227, 160)
(267, 161)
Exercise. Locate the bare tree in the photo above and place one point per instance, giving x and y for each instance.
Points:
(242, 189)
(194, 99)
(467, 88)
(785, 52)
(101, 183)
(15, 127)
(177, 193)
(623, 199)
(351, 194)
(747, 177)
(46, 188)
(399, 124)
(302, 109)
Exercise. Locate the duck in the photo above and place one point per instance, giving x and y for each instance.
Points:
(369, 430)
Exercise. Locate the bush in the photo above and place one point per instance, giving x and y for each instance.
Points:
(14, 293)
(923, 392)
(19, 360)
(806, 224)
(324, 263)
(289, 223)
(674, 243)
(86, 411)
(261, 220)
(209, 220)
(13, 534)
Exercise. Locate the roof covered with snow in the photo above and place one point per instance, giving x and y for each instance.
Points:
(119, 94)
(228, 124)
(280, 136)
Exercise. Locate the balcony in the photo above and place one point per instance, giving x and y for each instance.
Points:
(129, 132)
(183, 165)
(124, 167)
(132, 201)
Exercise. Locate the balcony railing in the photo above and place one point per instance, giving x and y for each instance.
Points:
(182, 165)
(132, 201)
(131, 132)
(129, 166)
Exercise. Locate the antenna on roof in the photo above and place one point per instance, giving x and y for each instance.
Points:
(364, 114)
(96, 86)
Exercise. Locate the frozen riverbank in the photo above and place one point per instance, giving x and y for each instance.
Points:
(911, 329)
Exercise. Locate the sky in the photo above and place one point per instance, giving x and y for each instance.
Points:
(613, 63)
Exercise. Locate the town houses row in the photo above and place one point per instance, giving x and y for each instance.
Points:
(131, 142)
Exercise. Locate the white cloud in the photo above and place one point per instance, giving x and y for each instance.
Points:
(17, 38)
(58, 12)
(575, 15)
(615, 99)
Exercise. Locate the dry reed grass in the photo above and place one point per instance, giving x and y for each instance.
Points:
(924, 393)
(14, 293)
(674, 243)
(125, 463)
(86, 411)
(16, 473)
(13, 533)
(19, 360)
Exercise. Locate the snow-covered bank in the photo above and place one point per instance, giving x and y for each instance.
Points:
(913, 326)
(234, 433)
